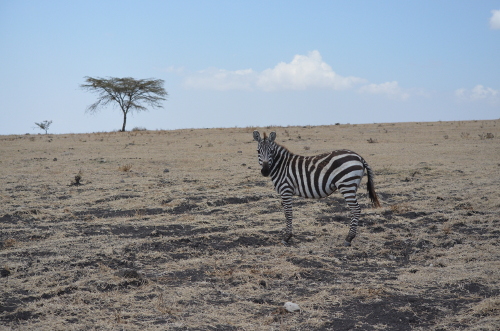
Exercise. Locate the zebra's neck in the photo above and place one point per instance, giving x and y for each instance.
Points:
(280, 158)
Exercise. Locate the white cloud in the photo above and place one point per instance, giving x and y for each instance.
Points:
(479, 92)
(495, 20)
(303, 72)
(390, 89)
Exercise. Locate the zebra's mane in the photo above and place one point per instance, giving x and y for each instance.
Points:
(278, 145)
(283, 148)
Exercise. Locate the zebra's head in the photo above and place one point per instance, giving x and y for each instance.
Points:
(266, 150)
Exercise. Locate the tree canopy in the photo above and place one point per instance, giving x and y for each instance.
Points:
(129, 93)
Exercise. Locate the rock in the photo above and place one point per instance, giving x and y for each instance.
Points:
(166, 170)
(291, 307)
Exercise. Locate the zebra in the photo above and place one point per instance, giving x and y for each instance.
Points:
(314, 177)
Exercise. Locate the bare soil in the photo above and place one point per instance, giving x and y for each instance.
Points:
(177, 230)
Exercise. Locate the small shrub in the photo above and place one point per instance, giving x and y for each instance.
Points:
(486, 136)
(138, 128)
(125, 167)
(78, 178)
(400, 208)
(372, 141)
(9, 242)
(446, 228)
(140, 213)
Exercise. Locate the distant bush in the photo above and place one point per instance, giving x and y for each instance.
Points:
(78, 178)
(138, 128)
(125, 168)
(486, 136)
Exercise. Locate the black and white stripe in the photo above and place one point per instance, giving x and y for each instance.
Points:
(314, 177)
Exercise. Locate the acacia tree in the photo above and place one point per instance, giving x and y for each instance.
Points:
(128, 93)
(44, 125)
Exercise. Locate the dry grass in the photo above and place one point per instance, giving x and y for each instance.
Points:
(187, 239)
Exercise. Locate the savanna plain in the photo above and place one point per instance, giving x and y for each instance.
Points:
(178, 230)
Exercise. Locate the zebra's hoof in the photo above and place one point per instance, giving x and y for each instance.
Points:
(347, 243)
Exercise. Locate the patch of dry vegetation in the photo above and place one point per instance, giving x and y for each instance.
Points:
(187, 237)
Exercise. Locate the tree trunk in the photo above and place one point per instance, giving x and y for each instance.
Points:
(124, 121)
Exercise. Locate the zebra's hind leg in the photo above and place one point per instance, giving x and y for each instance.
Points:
(352, 203)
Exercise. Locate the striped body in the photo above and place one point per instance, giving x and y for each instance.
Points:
(314, 177)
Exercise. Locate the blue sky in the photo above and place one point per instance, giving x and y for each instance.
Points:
(250, 63)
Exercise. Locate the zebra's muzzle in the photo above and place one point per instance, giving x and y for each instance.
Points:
(265, 169)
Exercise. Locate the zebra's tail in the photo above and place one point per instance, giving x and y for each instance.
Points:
(371, 185)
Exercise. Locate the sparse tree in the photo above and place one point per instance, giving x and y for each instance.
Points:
(44, 125)
(128, 93)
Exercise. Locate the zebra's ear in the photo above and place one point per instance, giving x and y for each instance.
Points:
(272, 136)
(256, 136)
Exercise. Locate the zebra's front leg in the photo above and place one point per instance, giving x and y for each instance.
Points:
(286, 201)
(355, 210)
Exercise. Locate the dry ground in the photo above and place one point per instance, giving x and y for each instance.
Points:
(177, 230)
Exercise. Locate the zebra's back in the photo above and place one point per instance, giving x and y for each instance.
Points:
(320, 175)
